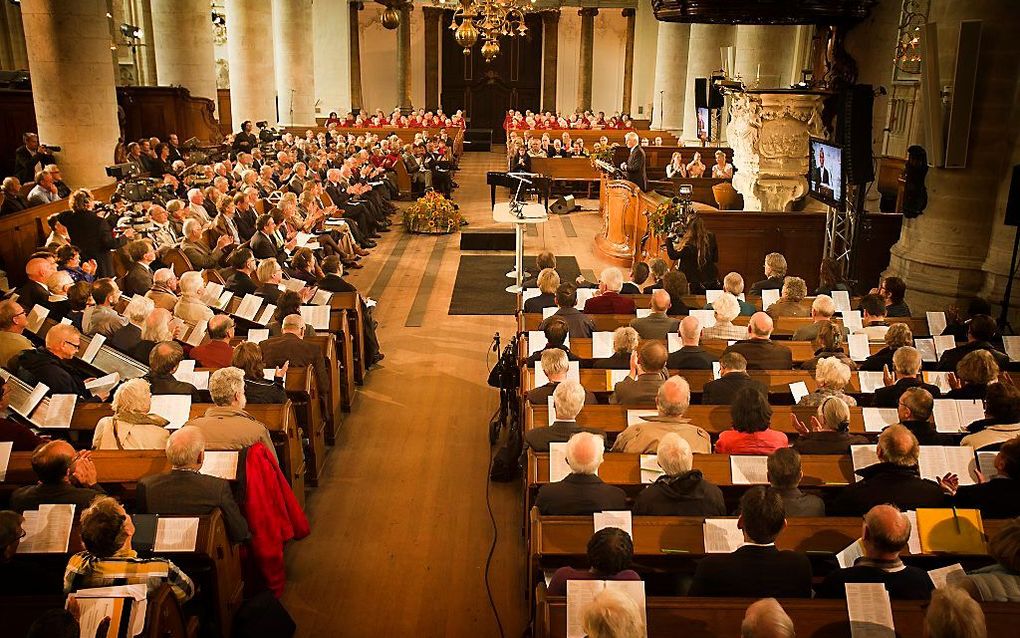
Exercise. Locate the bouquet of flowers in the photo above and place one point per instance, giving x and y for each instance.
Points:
(671, 217)
(431, 214)
(603, 153)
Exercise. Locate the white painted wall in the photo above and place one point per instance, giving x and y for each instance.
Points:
(608, 60)
(379, 60)
(332, 43)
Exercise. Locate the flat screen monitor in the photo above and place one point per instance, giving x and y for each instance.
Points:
(704, 123)
(825, 176)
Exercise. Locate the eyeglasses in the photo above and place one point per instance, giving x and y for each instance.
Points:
(71, 343)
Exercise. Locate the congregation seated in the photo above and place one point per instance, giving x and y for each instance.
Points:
(884, 536)
(974, 374)
(681, 490)
(784, 474)
(996, 496)
(240, 269)
(581, 492)
(775, 274)
(34, 291)
(672, 400)
(828, 343)
(610, 552)
(185, 491)
(192, 307)
(726, 308)
(656, 325)
(690, 356)
(608, 299)
(13, 200)
(127, 337)
(906, 374)
(226, 425)
(164, 359)
(555, 364)
(981, 329)
(216, 352)
(65, 477)
(548, 282)
(914, 408)
(103, 318)
(69, 261)
(828, 431)
(751, 434)
(52, 365)
(733, 283)
(757, 568)
(647, 373)
(133, 426)
(291, 348)
(822, 310)
(873, 316)
(999, 582)
(789, 305)
(568, 400)
(832, 377)
(894, 479)
(257, 389)
(13, 321)
(108, 559)
(625, 342)
(1002, 418)
(892, 290)
(897, 336)
(164, 289)
(758, 348)
(556, 333)
(579, 325)
(732, 379)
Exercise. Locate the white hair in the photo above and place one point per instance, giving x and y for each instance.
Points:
(293, 322)
(132, 396)
(612, 614)
(726, 307)
(673, 397)
(625, 339)
(766, 618)
(139, 308)
(907, 360)
(733, 283)
(191, 282)
(568, 399)
(185, 446)
(674, 454)
(554, 362)
(190, 226)
(585, 452)
(59, 282)
(612, 278)
(824, 306)
(832, 373)
(226, 384)
(163, 275)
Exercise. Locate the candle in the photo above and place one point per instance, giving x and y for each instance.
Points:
(757, 74)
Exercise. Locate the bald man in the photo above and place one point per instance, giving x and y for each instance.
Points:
(657, 324)
(894, 479)
(581, 492)
(759, 350)
(217, 351)
(65, 476)
(766, 618)
(51, 364)
(885, 534)
(34, 291)
(691, 356)
(671, 402)
(647, 373)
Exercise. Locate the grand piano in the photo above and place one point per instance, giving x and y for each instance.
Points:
(542, 185)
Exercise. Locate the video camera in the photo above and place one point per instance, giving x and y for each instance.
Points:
(144, 189)
(122, 171)
(268, 133)
(51, 147)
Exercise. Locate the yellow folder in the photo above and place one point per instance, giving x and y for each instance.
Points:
(951, 531)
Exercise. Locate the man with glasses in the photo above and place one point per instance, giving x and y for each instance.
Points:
(52, 365)
(13, 321)
(63, 190)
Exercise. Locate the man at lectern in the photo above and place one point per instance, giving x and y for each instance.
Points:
(635, 164)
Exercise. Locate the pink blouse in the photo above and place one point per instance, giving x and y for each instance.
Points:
(764, 442)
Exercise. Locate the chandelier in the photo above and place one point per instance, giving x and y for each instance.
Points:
(487, 20)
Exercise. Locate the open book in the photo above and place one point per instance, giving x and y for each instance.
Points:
(935, 461)
(953, 415)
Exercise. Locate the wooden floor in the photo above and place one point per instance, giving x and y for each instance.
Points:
(400, 527)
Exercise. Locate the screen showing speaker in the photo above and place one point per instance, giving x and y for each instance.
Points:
(825, 177)
(704, 123)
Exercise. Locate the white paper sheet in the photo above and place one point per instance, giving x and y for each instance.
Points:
(716, 370)
(293, 285)
(618, 519)
(1012, 346)
(248, 307)
(92, 612)
(722, 535)
(197, 334)
(185, 368)
(573, 373)
(769, 297)
(5, 458)
(175, 408)
(103, 384)
(200, 379)
(32, 399)
(321, 297)
(926, 348)
(863, 456)
(712, 295)
(96, 342)
(529, 293)
(749, 470)
(270, 373)
(224, 299)
(258, 335)
(266, 315)
(536, 341)
(35, 317)
(936, 322)
(852, 320)
(870, 381)
(986, 464)
(914, 542)
(176, 535)
(59, 412)
(616, 376)
(213, 290)
(558, 468)
(944, 575)
(705, 317)
(551, 404)
(583, 295)
(939, 379)
(673, 342)
(138, 603)
(877, 419)
(869, 610)
(850, 553)
(549, 311)
(799, 391)
(634, 417)
(943, 343)
(221, 464)
(318, 316)
(601, 345)
(48, 529)
(841, 299)
(859, 349)
(650, 470)
(642, 312)
(580, 593)
(953, 415)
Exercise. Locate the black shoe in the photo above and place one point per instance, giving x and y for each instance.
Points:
(374, 236)
(377, 358)
(385, 229)
(369, 244)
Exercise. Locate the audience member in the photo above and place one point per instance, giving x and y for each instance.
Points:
(608, 300)
(610, 552)
(647, 370)
(758, 348)
(733, 283)
(20, 436)
(20, 574)
(914, 408)
(638, 275)
(975, 372)
(555, 364)
(873, 318)
(998, 583)
(674, 284)
(257, 388)
(164, 359)
(830, 278)
(625, 342)
(127, 337)
(217, 351)
(671, 402)
(133, 426)
(581, 492)
(789, 304)
(690, 356)
(696, 255)
(191, 307)
(828, 343)
(906, 364)
(996, 496)
(13, 321)
(556, 333)
(785, 474)
(65, 476)
(569, 397)
(751, 434)
(732, 379)
(656, 325)
(164, 289)
(226, 425)
(954, 614)
(1002, 418)
(579, 326)
(832, 376)
(822, 310)
(291, 348)
(51, 364)
(896, 337)
(892, 290)
(775, 274)
(612, 614)
(103, 318)
(34, 291)
(829, 432)
(681, 490)
(158, 326)
(543, 260)
(138, 279)
(548, 282)
(726, 308)
(766, 618)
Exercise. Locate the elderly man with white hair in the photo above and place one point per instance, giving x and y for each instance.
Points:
(766, 618)
(789, 305)
(906, 374)
(759, 350)
(555, 364)
(733, 283)
(184, 491)
(625, 342)
(196, 207)
(635, 164)
(568, 399)
(137, 310)
(581, 492)
(609, 300)
(657, 324)
(726, 308)
(197, 250)
(822, 309)
(612, 614)
(164, 289)
(132, 426)
(690, 356)
(671, 402)
(226, 425)
(681, 490)
(192, 306)
(775, 274)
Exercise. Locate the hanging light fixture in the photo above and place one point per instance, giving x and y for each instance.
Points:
(391, 17)
(486, 20)
(466, 35)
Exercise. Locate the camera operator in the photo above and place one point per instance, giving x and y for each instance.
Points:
(30, 157)
(92, 233)
(245, 140)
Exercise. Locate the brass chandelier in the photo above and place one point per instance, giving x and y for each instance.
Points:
(487, 20)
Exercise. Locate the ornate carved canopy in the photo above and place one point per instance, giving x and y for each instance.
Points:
(763, 11)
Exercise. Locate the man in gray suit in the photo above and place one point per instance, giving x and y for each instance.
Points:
(579, 325)
(647, 373)
(183, 490)
(568, 399)
(656, 325)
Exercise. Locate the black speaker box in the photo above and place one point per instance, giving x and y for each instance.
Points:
(1013, 202)
(707, 94)
(564, 204)
(854, 134)
(493, 239)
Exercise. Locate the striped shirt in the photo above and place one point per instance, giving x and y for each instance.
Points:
(85, 570)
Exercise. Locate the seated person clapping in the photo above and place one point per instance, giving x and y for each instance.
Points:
(996, 496)
(65, 476)
(682, 490)
(832, 377)
(897, 336)
(974, 374)
(751, 434)
(108, 559)
(610, 552)
(257, 389)
(906, 374)
(829, 430)
(1002, 418)
(132, 426)
(581, 492)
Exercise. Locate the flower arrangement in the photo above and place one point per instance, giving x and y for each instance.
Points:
(431, 214)
(604, 154)
(671, 217)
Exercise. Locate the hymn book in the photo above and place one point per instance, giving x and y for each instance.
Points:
(36, 316)
(549, 311)
(103, 384)
(870, 381)
(926, 348)
(749, 470)
(870, 611)
(650, 469)
(859, 348)
(935, 461)
(293, 285)
(769, 297)
(176, 534)
(936, 323)
(852, 321)
(580, 593)
(24, 402)
(722, 535)
(986, 464)
(321, 298)
(863, 456)
(47, 530)
(221, 464)
(705, 317)
(799, 391)
(1012, 347)
(943, 343)
(878, 419)
(266, 315)
(673, 342)
(224, 299)
(940, 380)
(197, 333)
(583, 295)
(642, 312)
(850, 554)
(175, 408)
(558, 468)
(58, 412)
(258, 335)
(620, 520)
(841, 299)
(954, 415)
(616, 376)
(248, 307)
(124, 605)
(318, 316)
(95, 343)
(944, 575)
(601, 345)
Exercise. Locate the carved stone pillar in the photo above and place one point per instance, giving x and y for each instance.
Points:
(763, 55)
(670, 75)
(404, 58)
(703, 58)
(550, 49)
(183, 39)
(295, 73)
(14, 35)
(586, 57)
(356, 97)
(769, 135)
(628, 61)
(252, 73)
(433, 22)
(332, 45)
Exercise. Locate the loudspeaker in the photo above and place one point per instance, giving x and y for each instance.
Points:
(1013, 201)
(931, 95)
(855, 134)
(707, 95)
(564, 204)
(964, 80)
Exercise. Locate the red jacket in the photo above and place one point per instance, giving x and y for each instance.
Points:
(274, 516)
(213, 354)
(609, 303)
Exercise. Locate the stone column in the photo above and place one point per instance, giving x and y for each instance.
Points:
(356, 97)
(670, 76)
(550, 49)
(703, 58)
(249, 49)
(14, 36)
(294, 61)
(183, 39)
(146, 53)
(628, 61)
(433, 20)
(68, 47)
(332, 46)
(763, 55)
(586, 57)
(404, 58)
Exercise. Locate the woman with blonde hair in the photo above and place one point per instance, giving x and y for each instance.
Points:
(973, 375)
(828, 343)
(612, 614)
(132, 426)
(676, 166)
(548, 281)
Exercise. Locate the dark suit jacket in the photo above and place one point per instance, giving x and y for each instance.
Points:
(609, 303)
(269, 292)
(877, 361)
(538, 439)
(637, 392)
(31, 496)
(536, 304)
(13, 204)
(953, 356)
(300, 353)
(190, 493)
(240, 283)
(690, 358)
(541, 394)
(579, 325)
(797, 503)
(200, 256)
(25, 161)
(579, 495)
(889, 397)
(721, 391)
(619, 361)
(126, 338)
(167, 384)
(772, 283)
(998, 498)
(754, 571)
(763, 354)
(31, 293)
(335, 283)
(636, 167)
(93, 236)
(138, 280)
(245, 222)
(887, 483)
(263, 247)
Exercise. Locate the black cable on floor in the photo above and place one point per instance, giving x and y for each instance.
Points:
(492, 548)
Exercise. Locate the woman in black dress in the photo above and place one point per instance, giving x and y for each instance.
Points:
(696, 256)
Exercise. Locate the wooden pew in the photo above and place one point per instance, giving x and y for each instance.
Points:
(355, 326)
(721, 617)
(566, 169)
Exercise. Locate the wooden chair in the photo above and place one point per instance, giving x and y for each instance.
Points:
(178, 261)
